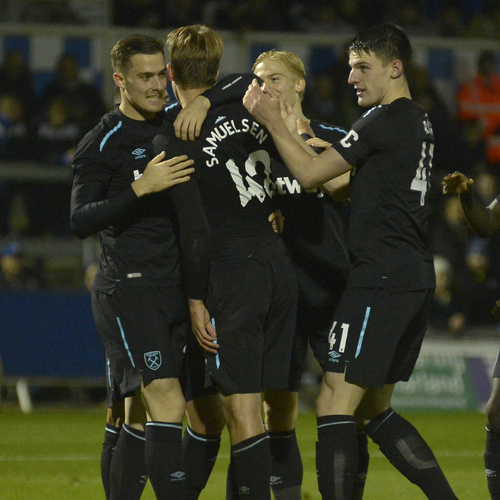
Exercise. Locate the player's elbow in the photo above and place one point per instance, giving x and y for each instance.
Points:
(80, 230)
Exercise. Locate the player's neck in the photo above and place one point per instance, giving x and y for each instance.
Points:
(397, 92)
(189, 95)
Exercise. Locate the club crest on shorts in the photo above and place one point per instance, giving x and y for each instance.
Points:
(153, 359)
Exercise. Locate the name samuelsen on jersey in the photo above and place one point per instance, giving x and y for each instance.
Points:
(228, 128)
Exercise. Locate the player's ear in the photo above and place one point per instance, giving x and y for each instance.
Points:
(170, 73)
(300, 85)
(396, 69)
(119, 80)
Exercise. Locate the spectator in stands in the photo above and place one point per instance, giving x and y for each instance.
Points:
(409, 16)
(15, 143)
(184, 12)
(479, 99)
(87, 105)
(146, 13)
(479, 288)
(446, 315)
(57, 133)
(470, 153)
(328, 100)
(16, 77)
(325, 18)
(217, 13)
(449, 233)
(49, 12)
(16, 274)
(260, 15)
(449, 22)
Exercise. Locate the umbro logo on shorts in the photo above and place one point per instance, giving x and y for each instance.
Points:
(178, 476)
(333, 355)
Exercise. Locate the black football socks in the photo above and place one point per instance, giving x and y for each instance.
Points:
(363, 462)
(492, 463)
(111, 435)
(336, 456)
(405, 448)
(200, 454)
(164, 460)
(128, 474)
(286, 466)
(251, 467)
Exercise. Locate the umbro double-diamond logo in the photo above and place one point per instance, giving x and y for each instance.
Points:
(139, 153)
(333, 356)
(178, 476)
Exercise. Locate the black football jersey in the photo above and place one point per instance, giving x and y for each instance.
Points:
(314, 223)
(390, 149)
(233, 172)
(139, 236)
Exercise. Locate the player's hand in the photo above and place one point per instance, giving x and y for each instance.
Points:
(289, 117)
(188, 123)
(161, 174)
(457, 183)
(316, 142)
(277, 220)
(202, 326)
(265, 107)
(496, 310)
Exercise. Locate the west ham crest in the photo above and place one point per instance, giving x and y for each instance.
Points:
(153, 359)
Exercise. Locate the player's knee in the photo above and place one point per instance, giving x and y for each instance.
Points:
(206, 415)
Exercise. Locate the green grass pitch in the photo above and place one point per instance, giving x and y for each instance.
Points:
(54, 453)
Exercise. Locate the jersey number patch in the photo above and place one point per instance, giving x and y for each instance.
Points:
(332, 336)
(421, 182)
(245, 183)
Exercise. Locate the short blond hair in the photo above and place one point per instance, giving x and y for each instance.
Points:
(289, 60)
(195, 53)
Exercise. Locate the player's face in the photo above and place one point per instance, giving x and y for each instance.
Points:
(371, 79)
(278, 77)
(143, 86)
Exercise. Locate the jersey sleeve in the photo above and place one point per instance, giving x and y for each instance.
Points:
(91, 210)
(229, 89)
(366, 135)
(194, 235)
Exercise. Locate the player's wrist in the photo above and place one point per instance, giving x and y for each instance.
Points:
(139, 188)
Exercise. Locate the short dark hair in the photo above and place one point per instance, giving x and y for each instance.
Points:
(387, 41)
(129, 46)
(195, 53)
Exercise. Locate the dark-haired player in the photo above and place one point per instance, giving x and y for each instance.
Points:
(139, 308)
(380, 322)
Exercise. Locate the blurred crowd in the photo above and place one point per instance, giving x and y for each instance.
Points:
(461, 18)
(45, 127)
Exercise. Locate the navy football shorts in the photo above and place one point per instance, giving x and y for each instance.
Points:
(376, 336)
(143, 330)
